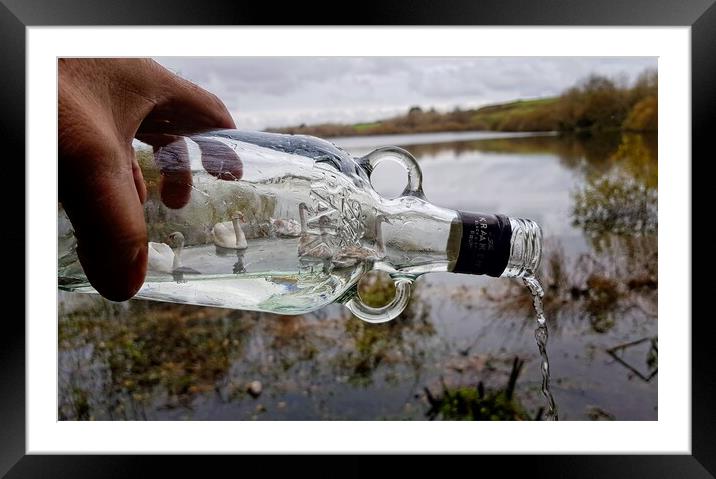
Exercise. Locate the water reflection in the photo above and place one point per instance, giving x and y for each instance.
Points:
(573, 151)
(623, 199)
(120, 361)
(451, 355)
(645, 370)
(616, 208)
(480, 403)
(618, 283)
(399, 344)
(137, 360)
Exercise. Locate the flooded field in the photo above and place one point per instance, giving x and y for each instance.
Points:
(465, 347)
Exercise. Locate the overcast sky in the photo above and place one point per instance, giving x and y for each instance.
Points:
(281, 91)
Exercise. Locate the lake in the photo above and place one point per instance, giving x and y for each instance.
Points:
(465, 346)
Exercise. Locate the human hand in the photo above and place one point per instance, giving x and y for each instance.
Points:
(103, 104)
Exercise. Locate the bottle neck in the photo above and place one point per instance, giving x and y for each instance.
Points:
(525, 249)
(421, 238)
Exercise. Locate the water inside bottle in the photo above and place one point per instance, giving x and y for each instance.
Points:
(260, 277)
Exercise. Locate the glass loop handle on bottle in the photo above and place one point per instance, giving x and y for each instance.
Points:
(403, 285)
(415, 175)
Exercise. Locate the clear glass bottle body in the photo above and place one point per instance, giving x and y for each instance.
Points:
(284, 224)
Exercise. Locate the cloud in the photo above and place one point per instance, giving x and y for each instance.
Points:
(279, 91)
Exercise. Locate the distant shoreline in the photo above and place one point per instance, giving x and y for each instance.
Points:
(416, 120)
(596, 104)
(357, 141)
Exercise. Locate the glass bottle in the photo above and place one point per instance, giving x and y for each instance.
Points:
(289, 223)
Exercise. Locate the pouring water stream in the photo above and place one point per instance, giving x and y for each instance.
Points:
(541, 335)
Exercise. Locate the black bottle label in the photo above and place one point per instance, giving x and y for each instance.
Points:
(485, 244)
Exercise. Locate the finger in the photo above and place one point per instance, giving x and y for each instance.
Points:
(172, 156)
(219, 159)
(99, 194)
(184, 107)
(175, 183)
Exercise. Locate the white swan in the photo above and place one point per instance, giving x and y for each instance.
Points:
(350, 255)
(312, 245)
(285, 227)
(229, 233)
(302, 208)
(163, 259)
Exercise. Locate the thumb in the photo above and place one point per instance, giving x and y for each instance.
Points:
(99, 195)
(183, 107)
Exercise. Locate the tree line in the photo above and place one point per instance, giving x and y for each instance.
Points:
(596, 103)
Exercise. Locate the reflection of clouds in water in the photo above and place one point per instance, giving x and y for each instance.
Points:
(535, 187)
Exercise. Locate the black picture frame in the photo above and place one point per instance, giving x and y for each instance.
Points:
(700, 15)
